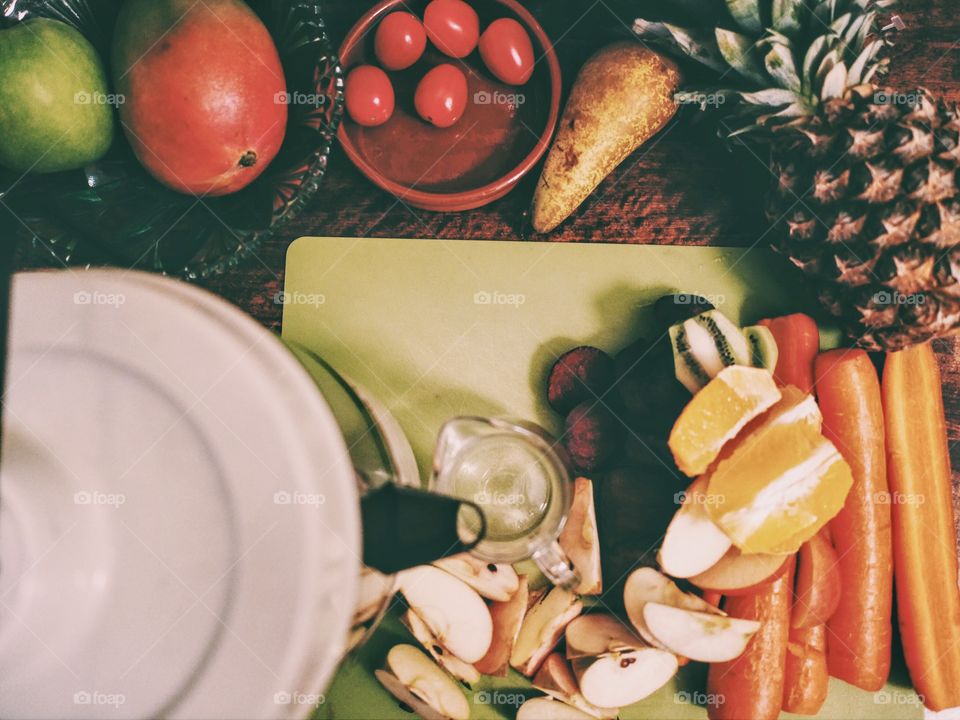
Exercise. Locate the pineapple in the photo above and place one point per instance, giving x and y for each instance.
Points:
(866, 199)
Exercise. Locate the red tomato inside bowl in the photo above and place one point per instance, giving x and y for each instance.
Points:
(369, 96)
(453, 26)
(400, 40)
(507, 51)
(441, 96)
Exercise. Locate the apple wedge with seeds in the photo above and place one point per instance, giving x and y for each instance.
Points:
(556, 679)
(693, 542)
(646, 585)
(492, 581)
(623, 678)
(412, 678)
(600, 634)
(462, 671)
(700, 636)
(682, 623)
(454, 613)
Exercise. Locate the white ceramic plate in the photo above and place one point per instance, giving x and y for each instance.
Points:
(179, 530)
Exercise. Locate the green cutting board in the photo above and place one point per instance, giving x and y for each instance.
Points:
(438, 328)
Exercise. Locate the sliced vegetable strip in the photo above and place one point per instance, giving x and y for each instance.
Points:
(924, 550)
(805, 678)
(798, 342)
(819, 585)
(858, 649)
(806, 671)
(752, 685)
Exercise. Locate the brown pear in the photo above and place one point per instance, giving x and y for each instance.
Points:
(622, 97)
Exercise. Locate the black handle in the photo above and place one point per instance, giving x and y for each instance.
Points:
(404, 527)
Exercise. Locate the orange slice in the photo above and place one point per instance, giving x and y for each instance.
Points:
(778, 484)
(717, 413)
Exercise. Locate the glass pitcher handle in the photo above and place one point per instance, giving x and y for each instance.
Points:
(555, 564)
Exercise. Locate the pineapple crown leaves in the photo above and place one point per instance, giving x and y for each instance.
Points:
(777, 60)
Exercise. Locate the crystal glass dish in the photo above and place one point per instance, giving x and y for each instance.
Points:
(114, 213)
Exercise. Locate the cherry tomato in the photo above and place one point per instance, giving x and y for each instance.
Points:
(453, 26)
(369, 94)
(441, 96)
(400, 40)
(507, 51)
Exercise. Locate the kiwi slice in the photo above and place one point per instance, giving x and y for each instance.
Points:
(764, 352)
(704, 345)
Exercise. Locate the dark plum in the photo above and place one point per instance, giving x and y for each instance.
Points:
(592, 435)
(647, 387)
(584, 373)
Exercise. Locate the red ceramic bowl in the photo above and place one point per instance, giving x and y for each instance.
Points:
(501, 136)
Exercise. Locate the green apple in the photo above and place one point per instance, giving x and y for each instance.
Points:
(55, 109)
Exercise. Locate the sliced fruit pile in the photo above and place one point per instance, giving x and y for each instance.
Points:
(852, 457)
(473, 619)
(785, 530)
(768, 481)
(787, 521)
(772, 478)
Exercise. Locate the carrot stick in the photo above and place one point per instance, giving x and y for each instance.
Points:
(798, 342)
(860, 628)
(819, 585)
(751, 686)
(924, 551)
(806, 670)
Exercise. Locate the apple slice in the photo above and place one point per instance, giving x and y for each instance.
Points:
(542, 628)
(620, 679)
(374, 587)
(693, 541)
(739, 574)
(700, 636)
(455, 614)
(492, 581)
(646, 585)
(557, 680)
(507, 617)
(408, 669)
(599, 634)
(464, 672)
(580, 540)
(406, 697)
(542, 708)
